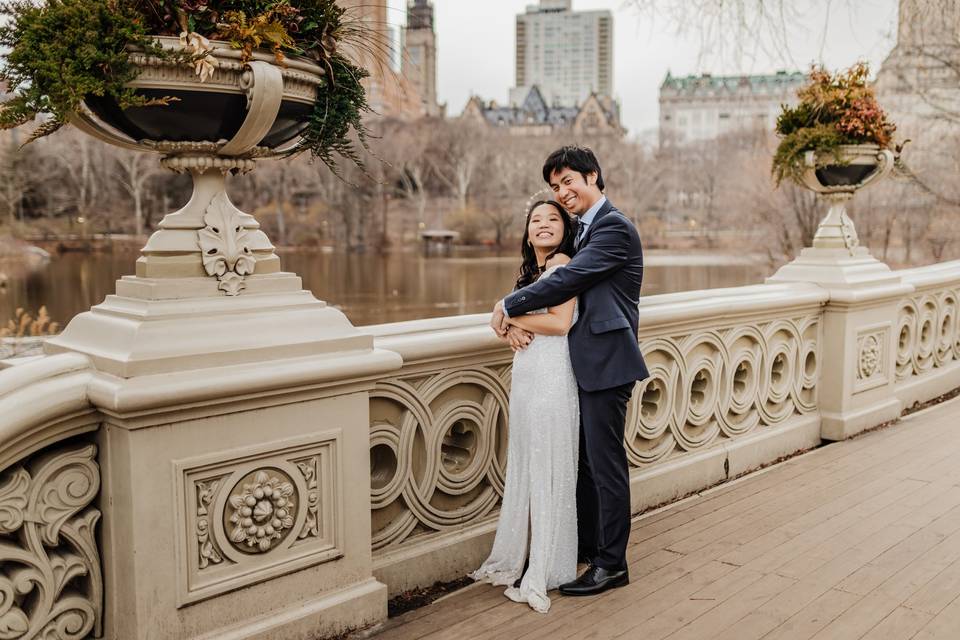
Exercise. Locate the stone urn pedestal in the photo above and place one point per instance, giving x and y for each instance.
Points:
(235, 412)
(859, 341)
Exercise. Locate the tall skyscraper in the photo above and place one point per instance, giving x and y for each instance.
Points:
(389, 94)
(419, 62)
(567, 54)
(920, 77)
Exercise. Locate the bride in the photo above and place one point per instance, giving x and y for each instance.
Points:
(539, 499)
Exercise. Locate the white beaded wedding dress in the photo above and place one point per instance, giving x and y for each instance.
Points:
(540, 495)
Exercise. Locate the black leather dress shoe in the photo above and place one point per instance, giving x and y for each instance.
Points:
(596, 580)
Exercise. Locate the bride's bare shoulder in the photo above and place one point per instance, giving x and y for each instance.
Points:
(559, 258)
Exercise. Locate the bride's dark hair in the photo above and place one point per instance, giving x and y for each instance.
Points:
(529, 269)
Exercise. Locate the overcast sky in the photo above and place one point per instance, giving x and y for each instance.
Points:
(475, 41)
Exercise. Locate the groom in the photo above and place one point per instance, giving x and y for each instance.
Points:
(605, 273)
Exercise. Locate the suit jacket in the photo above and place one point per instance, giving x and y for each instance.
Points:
(606, 274)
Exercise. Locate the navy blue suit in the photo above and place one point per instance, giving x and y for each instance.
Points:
(606, 274)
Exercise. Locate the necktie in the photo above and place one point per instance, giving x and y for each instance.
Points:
(580, 233)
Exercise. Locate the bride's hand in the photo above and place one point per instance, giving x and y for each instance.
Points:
(518, 338)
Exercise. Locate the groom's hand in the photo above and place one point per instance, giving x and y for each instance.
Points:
(498, 321)
(518, 338)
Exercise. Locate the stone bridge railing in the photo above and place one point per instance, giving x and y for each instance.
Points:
(928, 333)
(51, 582)
(728, 392)
(125, 483)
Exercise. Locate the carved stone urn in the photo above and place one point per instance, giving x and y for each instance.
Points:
(210, 128)
(837, 183)
(208, 251)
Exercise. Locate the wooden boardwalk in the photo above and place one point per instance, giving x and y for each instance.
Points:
(858, 539)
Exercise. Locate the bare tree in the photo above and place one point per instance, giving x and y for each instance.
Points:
(135, 170)
(87, 179)
(508, 178)
(14, 179)
(733, 31)
(454, 158)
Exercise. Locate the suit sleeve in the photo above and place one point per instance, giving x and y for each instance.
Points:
(607, 251)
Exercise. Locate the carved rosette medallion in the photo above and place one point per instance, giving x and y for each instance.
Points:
(225, 246)
(869, 359)
(251, 514)
(260, 510)
(871, 369)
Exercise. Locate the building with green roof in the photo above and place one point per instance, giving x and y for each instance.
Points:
(702, 107)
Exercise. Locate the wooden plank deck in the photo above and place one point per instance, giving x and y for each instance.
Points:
(858, 539)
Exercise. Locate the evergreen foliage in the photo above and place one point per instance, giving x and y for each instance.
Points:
(60, 51)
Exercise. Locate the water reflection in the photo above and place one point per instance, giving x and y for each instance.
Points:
(371, 289)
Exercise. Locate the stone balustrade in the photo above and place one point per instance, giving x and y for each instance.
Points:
(739, 378)
(927, 333)
(733, 375)
(51, 582)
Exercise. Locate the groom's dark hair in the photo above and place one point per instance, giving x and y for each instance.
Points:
(579, 159)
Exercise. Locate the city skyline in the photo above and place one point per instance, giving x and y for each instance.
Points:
(566, 54)
(643, 51)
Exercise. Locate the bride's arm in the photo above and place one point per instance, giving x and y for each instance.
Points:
(556, 321)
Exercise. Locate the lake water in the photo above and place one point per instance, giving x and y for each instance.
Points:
(369, 288)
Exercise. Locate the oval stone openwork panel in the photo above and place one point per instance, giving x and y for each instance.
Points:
(808, 365)
(947, 329)
(383, 466)
(742, 382)
(906, 337)
(928, 332)
(437, 451)
(459, 448)
(926, 337)
(653, 411)
(705, 361)
(782, 351)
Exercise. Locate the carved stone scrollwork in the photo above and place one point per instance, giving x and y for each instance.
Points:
(208, 550)
(50, 581)
(312, 525)
(225, 246)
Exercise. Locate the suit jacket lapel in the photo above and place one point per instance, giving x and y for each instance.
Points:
(604, 210)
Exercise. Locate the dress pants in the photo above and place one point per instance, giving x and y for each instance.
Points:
(603, 479)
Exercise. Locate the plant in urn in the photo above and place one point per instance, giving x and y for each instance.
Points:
(835, 141)
(211, 86)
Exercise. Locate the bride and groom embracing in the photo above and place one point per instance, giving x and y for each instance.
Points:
(572, 322)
